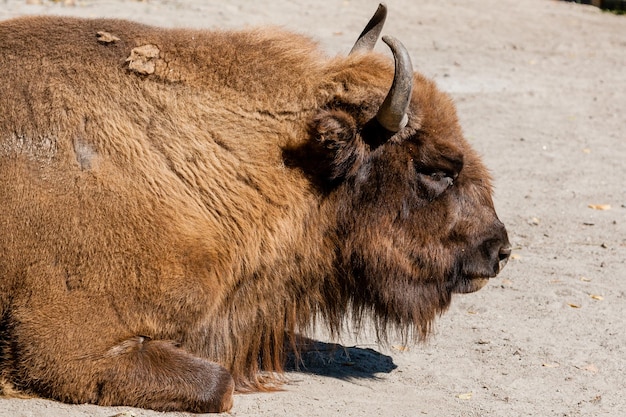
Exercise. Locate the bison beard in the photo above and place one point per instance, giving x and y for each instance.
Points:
(177, 205)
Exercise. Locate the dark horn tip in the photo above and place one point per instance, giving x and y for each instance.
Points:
(392, 42)
(367, 39)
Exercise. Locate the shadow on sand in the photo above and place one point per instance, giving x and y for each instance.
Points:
(338, 361)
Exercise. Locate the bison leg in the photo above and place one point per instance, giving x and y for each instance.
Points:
(156, 374)
(70, 350)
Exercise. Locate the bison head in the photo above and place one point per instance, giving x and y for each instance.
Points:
(415, 218)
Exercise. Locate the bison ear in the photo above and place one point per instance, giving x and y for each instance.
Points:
(339, 143)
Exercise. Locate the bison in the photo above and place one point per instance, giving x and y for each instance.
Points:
(178, 205)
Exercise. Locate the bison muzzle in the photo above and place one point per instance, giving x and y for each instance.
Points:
(178, 204)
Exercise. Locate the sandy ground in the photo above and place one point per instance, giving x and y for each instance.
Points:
(541, 92)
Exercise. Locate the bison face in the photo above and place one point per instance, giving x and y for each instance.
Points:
(416, 221)
(415, 217)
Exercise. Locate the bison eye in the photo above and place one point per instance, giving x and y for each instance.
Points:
(442, 177)
(435, 182)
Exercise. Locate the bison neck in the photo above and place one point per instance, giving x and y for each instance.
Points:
(277, 291)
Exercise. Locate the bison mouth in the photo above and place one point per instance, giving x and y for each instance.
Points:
(468, 282)
(469, 285)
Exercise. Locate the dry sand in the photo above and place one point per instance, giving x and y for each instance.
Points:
(541, 92)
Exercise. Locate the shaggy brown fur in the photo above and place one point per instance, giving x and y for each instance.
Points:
(174, 199)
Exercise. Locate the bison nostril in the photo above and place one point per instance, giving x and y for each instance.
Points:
(503, 257)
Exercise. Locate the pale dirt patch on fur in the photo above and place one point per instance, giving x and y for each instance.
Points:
(142, 59)
(540, 90)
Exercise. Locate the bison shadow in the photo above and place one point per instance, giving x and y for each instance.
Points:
(338, 361)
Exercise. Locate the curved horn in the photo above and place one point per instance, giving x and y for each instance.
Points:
(367, 39)
(392, 114)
